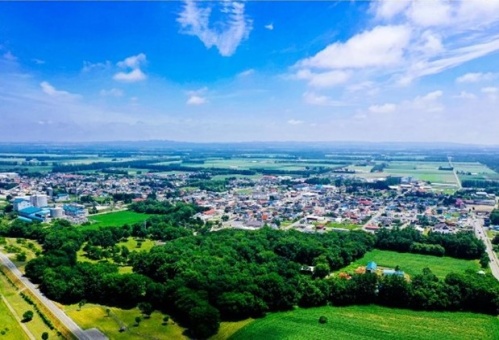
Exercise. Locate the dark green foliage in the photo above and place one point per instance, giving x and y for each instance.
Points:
(494, 216)
(462, 245)
(322, 319)
(28, 316)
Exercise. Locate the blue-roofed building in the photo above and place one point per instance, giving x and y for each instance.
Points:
(371, 267)
(34, 214)
(75, 210)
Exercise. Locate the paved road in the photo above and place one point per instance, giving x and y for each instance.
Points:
(458, 181)
(63, 318)
(480, 233)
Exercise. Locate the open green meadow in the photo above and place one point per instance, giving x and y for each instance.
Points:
(35, 326)
(96, 316)
(9, 327)
(118, 218)
(370, 322)
(413, 264)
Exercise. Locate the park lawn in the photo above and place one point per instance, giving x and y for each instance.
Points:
(117, 219)
(36, 325)
(349, 226)
(95, 316)
(130, 243)
(413, 264)
(370, 322)
(9, 327)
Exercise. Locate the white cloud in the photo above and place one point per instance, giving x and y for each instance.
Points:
(387, 9)
(134, 63)
(226, 35)
(88, 66)
(313, 98)
(111, 93)
(130, 77)
(38, 61)
(197, 97)
(385, 108)
(270, 26)
(465, 95)
(381, 46)
(9, 56)
(324, 79)
(295, 122)
(246, 73)
(429, 102)
(429, 12)
(475, 77)
(47, 88)
(490, 90)
(196, 100)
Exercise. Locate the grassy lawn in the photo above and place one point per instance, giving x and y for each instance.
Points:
(349, 226)
(35, 326)
(413, 264)
(370, 322)
(92, 315)
(130, 243)
(9, 327)
(115, 219)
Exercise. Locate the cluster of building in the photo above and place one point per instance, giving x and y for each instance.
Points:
(36, 208)
(277, 201)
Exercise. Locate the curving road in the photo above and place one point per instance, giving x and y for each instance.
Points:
(480, 233)
(63, 318)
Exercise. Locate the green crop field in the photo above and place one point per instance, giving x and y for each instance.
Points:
(413, 264)
(115, 219)
(370, 322)
(92, 315)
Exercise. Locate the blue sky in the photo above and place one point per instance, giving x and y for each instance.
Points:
(391, 70)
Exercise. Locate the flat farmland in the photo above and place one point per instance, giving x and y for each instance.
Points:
(413, 264)
(425, 171)
(264, 163)
(370, 322)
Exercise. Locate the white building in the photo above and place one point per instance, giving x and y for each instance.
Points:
(39, 200)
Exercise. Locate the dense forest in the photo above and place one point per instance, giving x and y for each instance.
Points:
(201, 277)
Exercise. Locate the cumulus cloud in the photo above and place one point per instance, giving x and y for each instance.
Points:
(324, 79)
(475, 77)
(226, 35)
(270, 26)
(196, 100)
(429, 102)
(132, 72)
(313, 98)
(111, 93)
(50, 90)
(381, 46)
(89, 66)
(465, 95)
(9, 56)
(295, 122)
(385, 108)
(197, 97)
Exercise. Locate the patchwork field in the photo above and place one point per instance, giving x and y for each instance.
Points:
(370, 322)
(115, 219)
(413, 264)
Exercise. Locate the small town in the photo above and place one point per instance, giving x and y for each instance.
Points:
(277, 201)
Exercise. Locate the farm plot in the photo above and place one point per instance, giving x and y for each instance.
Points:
(370, 322)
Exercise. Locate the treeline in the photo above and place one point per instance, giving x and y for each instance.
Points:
(462, 245)
(467, 291)
(480, 183)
